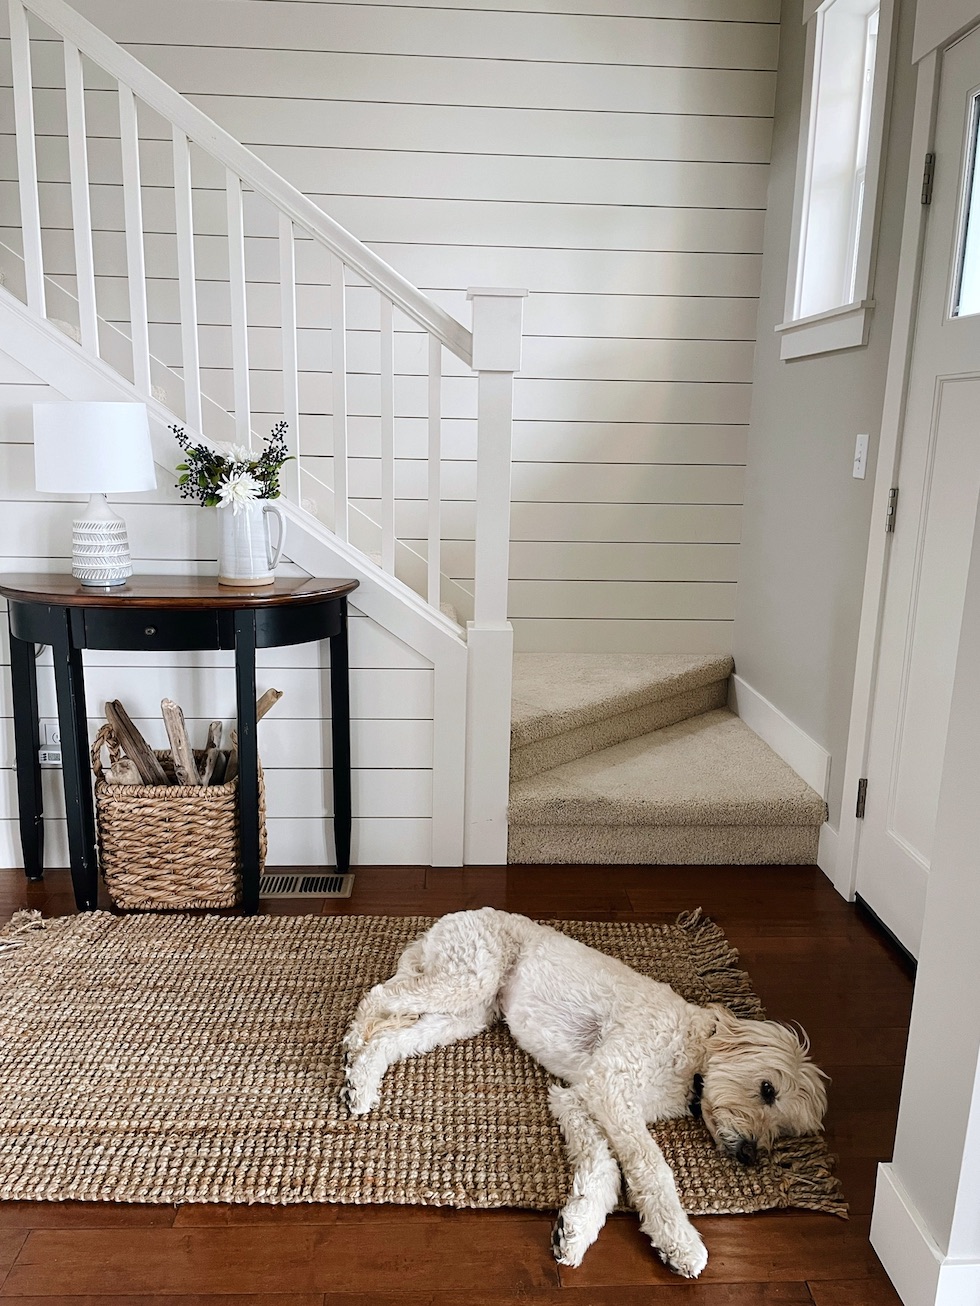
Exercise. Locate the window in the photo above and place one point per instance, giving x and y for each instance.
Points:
(845, 80)
(966, 291)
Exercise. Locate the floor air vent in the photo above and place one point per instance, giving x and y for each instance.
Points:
(305, 886)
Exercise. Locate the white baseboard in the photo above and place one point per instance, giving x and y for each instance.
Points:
(787, 740)
(827, 851)
(916, 1265)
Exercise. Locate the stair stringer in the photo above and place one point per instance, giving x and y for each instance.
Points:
(59, 361)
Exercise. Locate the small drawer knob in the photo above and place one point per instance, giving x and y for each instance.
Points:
(150, 630)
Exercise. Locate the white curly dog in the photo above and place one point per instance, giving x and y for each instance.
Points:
(630, 1050)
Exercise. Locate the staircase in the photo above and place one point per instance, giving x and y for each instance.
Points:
(612, 758)
(159, 316)
(625, 758)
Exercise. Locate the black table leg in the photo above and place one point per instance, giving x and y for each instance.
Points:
(76, 769)
(30, 801)
(340, 732)
(248, 758)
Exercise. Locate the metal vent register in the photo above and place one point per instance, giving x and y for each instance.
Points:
(305, 886)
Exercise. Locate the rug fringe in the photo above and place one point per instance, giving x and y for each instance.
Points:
(13, 935)
(719, 967)
(809, 1182)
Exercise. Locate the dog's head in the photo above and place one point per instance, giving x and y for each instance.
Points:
(759, 1085)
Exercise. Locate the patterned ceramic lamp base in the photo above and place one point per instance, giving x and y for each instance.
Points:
(100, 546)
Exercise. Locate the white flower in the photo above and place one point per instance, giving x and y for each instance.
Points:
(239, 491)
(235, 453)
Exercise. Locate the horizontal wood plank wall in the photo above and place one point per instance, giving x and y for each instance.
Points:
(610, 157)
(391, 686)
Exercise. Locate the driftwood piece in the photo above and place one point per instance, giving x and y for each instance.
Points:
(220, 765)
(134, 745)
(211, 751)
(262, 705)
(125, 772)
(266, 701)
(180, 747)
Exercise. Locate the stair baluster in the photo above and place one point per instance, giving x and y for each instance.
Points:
(292, 474)
(387, 366)
(135, 254)
(187, 281)
(30, 205)
(239, 312)
(81, 210)
(435, 472)
(338, 350)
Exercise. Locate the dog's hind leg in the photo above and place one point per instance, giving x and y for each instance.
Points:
(595, 1181)
(366, 1068)
(611, 1101)
(414, 990)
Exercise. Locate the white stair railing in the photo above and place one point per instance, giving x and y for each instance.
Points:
(261, 210)
(197, 143)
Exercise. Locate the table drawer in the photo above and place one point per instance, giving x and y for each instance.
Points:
(146, 629)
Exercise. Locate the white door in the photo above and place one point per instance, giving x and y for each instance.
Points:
(939, 488)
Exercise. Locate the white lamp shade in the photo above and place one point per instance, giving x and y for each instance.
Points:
(89, 448)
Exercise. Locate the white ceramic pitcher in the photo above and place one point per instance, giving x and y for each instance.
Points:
(245, 554)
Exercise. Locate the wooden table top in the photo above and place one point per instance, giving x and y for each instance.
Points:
(179, 592)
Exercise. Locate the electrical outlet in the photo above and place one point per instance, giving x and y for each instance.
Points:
(49, 754)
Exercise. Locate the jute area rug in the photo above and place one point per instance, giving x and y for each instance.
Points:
(198, 1059)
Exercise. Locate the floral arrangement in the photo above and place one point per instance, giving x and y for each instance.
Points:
(229, 475)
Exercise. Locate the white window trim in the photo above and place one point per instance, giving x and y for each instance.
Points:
(847, 326)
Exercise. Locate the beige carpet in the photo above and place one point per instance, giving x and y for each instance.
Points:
(568, 705)
(705, 790)
(197, 1059)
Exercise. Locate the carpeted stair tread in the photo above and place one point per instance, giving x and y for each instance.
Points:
(709, 770)
(555, 693)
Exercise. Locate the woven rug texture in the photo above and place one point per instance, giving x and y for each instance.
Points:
(198, 1059)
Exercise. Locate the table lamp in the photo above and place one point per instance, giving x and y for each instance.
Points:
(96, 449)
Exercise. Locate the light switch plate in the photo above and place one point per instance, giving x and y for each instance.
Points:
(860, 457)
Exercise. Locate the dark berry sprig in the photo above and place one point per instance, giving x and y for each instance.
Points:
(204, 471)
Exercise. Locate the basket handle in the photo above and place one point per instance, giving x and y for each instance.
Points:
(106, 737)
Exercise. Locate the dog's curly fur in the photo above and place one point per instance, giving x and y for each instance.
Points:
(629, 1050)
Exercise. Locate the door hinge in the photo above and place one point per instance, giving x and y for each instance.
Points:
(928, 174)
(892, 510)
(862, 799)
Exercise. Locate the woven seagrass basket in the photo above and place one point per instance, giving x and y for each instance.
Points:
(169, 847)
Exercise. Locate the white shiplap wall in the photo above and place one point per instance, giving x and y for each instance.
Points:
(391, 686)
(609, 155)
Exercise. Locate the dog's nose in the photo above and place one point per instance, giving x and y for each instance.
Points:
(746, 1151)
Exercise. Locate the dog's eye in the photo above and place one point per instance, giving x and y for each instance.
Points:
(767, 1092)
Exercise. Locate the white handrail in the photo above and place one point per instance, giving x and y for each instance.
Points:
(258, 175)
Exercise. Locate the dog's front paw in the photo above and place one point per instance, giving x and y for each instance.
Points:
(685, 1254)
(568, 1249)
(358, 1097)
(576, 1229)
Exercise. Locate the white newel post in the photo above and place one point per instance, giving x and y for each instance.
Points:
(497, 328)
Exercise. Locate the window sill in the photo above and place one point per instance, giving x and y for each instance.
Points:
(824, 333)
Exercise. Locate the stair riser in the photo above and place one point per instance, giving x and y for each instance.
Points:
(543, 755)
(664, 845)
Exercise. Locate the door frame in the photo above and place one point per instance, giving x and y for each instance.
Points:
(844, 870)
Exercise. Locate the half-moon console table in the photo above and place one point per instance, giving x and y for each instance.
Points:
(147, 614)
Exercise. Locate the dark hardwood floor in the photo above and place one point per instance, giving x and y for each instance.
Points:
(812, 959)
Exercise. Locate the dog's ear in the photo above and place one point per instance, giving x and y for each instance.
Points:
(728, 1023)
